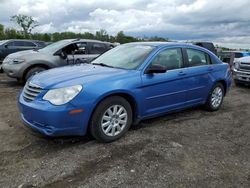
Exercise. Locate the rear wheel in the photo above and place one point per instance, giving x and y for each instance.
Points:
(32, 72)
(215, 97)
(111, 119)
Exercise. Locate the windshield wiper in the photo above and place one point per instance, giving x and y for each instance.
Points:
(103, 64)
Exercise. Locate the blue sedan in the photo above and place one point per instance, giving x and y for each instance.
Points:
(129, 83)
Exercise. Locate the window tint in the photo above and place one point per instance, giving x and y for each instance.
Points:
(97, 48)
(29, 44)
(238, 55)
(18, 43)
(40, 43)
(197, 58)
(170, 59)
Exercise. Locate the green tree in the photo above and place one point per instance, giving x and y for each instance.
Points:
(27, 23)
(1, 32)
(102, 35)
(120, 37)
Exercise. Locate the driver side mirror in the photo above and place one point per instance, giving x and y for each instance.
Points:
(63, 55)
(155, 69)
(6, 45)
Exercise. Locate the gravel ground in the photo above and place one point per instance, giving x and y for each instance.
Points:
(192, 148)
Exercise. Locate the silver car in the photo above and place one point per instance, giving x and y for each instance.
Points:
(23, 65)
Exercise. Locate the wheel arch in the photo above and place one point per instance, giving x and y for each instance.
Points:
(224, 83)
(127, 96)
(43, 65)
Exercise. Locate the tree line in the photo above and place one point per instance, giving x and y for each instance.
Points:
(27, 24)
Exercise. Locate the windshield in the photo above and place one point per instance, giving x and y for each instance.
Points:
(2, 41)
(55, 46)
(125, 56)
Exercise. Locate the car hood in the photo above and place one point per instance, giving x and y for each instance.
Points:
(244, 59)
(75, 75)
(22, 54)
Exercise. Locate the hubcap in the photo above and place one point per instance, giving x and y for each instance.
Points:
(217, 96)
(114, 120)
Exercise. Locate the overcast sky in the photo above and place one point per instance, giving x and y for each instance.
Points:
(221, 21)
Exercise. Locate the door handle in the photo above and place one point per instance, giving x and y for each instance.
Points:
(210, 69)
(181, 73)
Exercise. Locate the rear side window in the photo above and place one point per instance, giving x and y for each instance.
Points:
(81, 48)
(169, 58)
(197, 58)
(97, 48)
(18, 43)
(40, 43)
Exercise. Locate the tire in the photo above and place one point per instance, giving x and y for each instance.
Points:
(106, 125)
(215, 98)
(237, 83)
(32, 72)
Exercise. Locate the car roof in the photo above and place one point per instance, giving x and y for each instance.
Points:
(235, 51)
(83, 40)
(24, 40)
(161, 44)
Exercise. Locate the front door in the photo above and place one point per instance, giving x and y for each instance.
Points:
(165, 91)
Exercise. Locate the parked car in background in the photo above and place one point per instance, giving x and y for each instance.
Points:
(23, 65)
(231, 56)
(129, 83)
(241, 71)
(14, 45)
(207, 45)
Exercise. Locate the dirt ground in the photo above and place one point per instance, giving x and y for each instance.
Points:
(192, 148)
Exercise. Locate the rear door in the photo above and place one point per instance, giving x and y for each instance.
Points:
(165, 91)
(199, 81)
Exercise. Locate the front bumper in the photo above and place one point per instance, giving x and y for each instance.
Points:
(53, 120)
(12, 70)
(241, 76)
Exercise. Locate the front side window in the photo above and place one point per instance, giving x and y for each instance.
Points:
(197, 58)
(169, 58)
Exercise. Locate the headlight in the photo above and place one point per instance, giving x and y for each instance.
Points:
(62, 95)
(16, 61)
(236, 65)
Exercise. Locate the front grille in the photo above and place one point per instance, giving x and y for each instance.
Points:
(245, 66)
(31, 91)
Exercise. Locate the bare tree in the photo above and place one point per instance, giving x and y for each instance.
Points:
(27, 23)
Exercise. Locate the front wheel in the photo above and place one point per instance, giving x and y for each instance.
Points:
(215, 97)
(111, 119)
